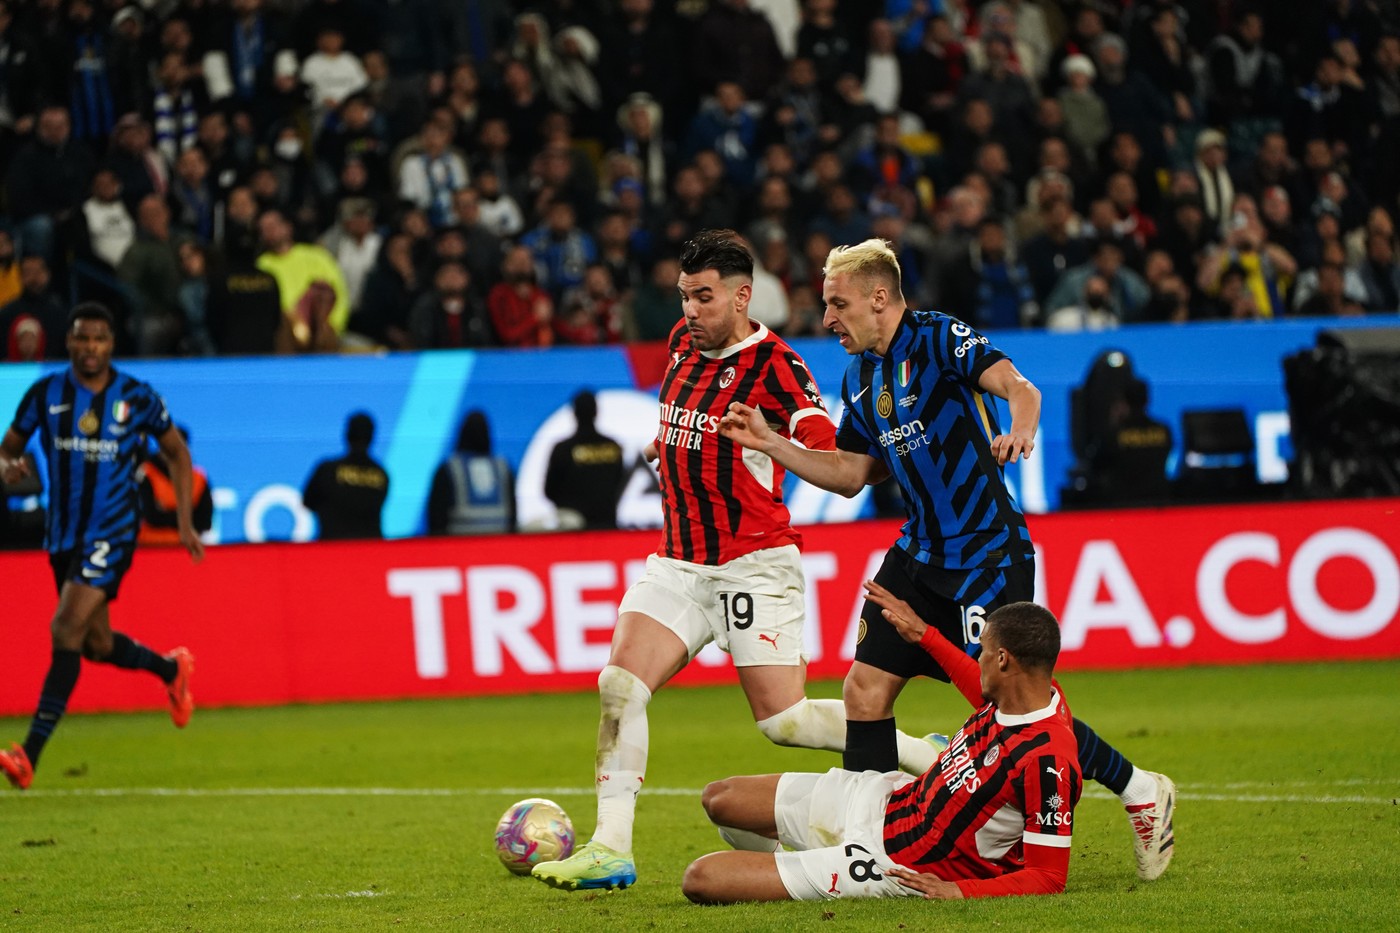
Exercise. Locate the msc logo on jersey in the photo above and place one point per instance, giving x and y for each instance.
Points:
(884, 403)
(726, 378)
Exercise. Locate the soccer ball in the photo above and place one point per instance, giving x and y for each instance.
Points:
(533, 831)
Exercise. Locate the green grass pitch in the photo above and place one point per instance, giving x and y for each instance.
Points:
(379, 816)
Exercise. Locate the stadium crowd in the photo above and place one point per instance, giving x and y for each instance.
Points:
(255, 176)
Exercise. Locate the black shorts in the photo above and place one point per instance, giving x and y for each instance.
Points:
(100, 564)
(952, 601)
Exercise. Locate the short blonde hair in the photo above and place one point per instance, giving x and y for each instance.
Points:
(867, 261)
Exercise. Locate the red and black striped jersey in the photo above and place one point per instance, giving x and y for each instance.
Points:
(719, 500)
(1006, 784)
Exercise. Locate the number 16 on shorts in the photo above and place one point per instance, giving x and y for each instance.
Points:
(974, 618)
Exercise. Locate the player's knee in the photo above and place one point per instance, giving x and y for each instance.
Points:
(715, 798)
(864, 700)
(617, 687)
(67, 631)
(702, 881)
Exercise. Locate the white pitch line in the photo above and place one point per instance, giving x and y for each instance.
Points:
(1187, 792)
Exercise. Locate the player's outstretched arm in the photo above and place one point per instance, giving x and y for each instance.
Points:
(838, 471)
(1003, 380)
(172, 445)
(13, 467)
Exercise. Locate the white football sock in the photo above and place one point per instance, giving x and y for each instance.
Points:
(808, 724)
(915, 755)
(1141, 789)
(748, 841)
(822, 724)
(622, 754)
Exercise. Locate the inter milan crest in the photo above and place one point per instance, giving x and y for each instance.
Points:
(89, 423)
(884, 402)
(726, 378)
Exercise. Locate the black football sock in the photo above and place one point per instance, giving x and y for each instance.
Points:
(1100, 761)
(871, 746)
(135, 656)
(53, 700)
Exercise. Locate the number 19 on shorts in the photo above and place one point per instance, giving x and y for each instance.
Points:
(738, 610)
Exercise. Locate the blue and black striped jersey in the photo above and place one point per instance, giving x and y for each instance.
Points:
(91, 441)
(918, 410)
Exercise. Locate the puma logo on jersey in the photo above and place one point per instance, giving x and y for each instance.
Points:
(1050, 770)
(834, 889)
(771, 639)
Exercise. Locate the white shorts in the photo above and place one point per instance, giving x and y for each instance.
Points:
(752, 607)
(836, 823)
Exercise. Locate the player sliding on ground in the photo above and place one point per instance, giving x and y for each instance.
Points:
(916, 408)
(992, 817)
(728, 570)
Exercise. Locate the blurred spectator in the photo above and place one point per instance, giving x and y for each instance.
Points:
(522, 313)
(391, 289)
(1245, 79)
(823, 41)
(792, 112)
(726, 125)
(499, 212)
(733, 43)
(1329, 298)
(988, 287)
(1008, 92)
(451, 315)
(1128, 293)
(1132, 224)
(193, 202)
(1085, 115)
(151, 269)
(354, 244)
(1170, 302)
(297, 267)
(1272, 165)
(331, 73)
(19, 82)
(561, 250)
(570, 79)
(109, 227)
(347, 493)
(138, 166)
(1217, 188)
(1308, 283)
(588, 312)
(159, 525)
(1133, 103)
(639, 120)
(522, 106)
(36, 302)
(175, 105)
(1056, 248)
(1186, 235)
(1380, 274)
(25, 341)
(688, 211)
(193, 297)
(10, 279)
(885, 162)
(930, 75)
(473, 491)
(93, 108)
(1094, 309)
(47, 181)
(616, 254)
(244, 310)
(1266, 269)
(638, 55)
(656, 306)
(1328, 108)
(841, 218)
(429, 178)
(882, 67)
(1165, 59)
